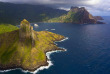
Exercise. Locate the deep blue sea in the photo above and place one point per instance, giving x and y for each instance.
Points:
(88, 49)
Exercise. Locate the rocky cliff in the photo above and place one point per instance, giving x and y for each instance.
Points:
(26, 32)
(82, 15)
(98, 17)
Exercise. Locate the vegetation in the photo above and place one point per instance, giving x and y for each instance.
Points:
(17, 53)
(25, 22)
(7, 28)
(14, 13)
(69, 18)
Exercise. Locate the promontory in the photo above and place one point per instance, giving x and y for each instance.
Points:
(25, 48)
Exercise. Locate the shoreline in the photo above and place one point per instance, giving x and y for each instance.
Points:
(48, 60)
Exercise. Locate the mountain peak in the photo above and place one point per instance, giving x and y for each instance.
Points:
(74, 9)
(77, 9)
(24, 21)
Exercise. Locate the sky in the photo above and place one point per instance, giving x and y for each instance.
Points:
(95, 7)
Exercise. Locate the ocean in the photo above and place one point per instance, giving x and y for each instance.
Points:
(88, 49)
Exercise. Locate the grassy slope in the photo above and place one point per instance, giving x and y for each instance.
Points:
(70, 17)
(7, 28)
(14, 53)
(7, 40)
(67, 18)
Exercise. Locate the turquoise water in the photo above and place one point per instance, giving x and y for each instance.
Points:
(88, 49)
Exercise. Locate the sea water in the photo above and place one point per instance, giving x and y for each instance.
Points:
(88, 49)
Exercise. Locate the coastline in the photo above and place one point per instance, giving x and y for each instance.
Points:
(48, 53)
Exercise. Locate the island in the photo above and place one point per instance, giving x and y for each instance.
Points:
(25, 48)
(77, 15)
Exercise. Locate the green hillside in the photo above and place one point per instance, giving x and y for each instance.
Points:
(69, 18)
(7, 28)
(25, 48)
(14, 13)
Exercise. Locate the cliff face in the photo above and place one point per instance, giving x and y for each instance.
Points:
(25, 29)
(82, 15)
(26, 32)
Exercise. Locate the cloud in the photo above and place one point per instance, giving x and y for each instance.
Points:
(102, 8)
(94, 6)
(62, 2)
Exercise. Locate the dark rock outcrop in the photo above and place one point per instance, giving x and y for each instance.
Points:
(98, 17)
